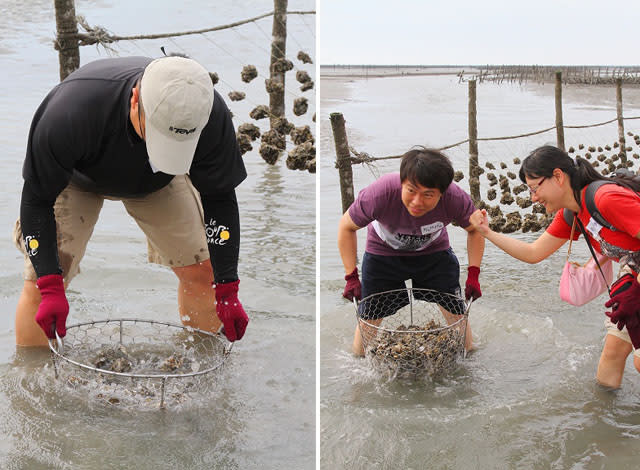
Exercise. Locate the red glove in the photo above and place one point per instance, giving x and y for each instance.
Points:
(625, 311)
(53, 308)
(472, 287)
(230, 310)
(353, 289)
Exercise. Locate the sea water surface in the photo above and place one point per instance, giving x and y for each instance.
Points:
(260, 411)
(526, 397)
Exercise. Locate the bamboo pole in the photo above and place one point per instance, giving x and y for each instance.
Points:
(621, 139)
(66, 37)
(343, 160)
(474, 174)
(559, 121)
(278, 49)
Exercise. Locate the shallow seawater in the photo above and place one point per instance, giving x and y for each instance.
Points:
(526, 396)
(258, 410)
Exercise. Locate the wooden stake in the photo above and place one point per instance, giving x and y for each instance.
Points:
(559, 121)
(474, 174)
(621, 138)
(66, 40)
(278, 54)
(343, 160)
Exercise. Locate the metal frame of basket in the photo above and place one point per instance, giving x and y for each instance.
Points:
(57, 348)
(406, 335)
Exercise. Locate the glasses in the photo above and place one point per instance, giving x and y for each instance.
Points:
(534, 190)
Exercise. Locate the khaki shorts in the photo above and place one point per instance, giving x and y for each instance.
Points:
(171, 218)
(612, 328)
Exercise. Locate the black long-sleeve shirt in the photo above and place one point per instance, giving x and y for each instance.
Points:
(82, 133)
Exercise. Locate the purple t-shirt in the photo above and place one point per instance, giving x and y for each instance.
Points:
(393, 231)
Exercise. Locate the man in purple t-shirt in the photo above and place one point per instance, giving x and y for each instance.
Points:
(407, 215)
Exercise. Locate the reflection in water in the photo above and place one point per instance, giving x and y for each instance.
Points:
(526, 397)
(268, 385)
(278, 227)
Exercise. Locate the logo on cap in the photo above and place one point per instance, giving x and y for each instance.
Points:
(179, 130)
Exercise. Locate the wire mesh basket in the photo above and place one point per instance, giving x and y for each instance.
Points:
(137, 360)
(412, 332)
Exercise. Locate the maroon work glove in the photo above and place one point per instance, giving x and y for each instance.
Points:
(353, 289)
(53, 308)
(625, 310)
(472, 287)
(230, 310)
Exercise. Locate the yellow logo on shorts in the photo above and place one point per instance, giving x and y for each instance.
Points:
(224, 235)
(33, 244)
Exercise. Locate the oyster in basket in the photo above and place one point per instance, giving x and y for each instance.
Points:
(417, 349)
(175, 362)
(115, 359)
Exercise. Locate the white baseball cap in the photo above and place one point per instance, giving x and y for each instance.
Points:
(177, 97)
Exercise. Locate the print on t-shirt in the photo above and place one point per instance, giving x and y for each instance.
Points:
(408, 241)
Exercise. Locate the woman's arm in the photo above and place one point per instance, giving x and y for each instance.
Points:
(531, 253)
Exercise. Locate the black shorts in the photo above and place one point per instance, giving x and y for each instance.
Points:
(439, 271)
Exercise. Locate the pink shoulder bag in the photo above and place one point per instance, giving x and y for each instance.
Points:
(580, 284)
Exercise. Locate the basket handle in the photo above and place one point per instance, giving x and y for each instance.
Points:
(467, 306)
(59, 341)
(226, 351)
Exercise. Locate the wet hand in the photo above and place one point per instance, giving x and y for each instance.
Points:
(353, 289)
(54, 308)
(230, 310)
(472, 287)
(480, 221)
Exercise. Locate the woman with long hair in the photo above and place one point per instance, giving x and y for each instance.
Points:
(559, 183)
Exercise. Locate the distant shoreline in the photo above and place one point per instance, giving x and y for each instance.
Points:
(571, 74)
(393, 70)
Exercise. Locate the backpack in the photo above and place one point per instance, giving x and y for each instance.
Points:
(590, 202)
(590, 198)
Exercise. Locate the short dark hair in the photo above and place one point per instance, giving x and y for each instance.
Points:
(427, 167)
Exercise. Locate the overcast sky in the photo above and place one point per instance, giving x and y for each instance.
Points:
(433, 32)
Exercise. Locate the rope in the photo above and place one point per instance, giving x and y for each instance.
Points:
(100, 35)
(363, 157)
(454, 145)
(517, 136)
(592, 125)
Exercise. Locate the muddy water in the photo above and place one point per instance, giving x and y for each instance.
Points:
(526, 398)
(259, 412)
